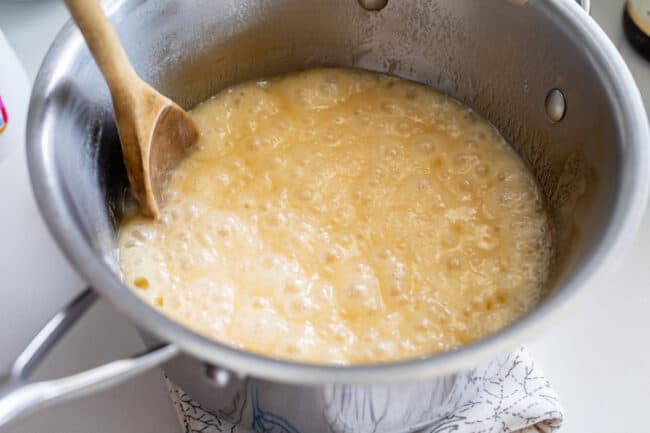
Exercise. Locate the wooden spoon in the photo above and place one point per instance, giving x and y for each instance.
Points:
(155, 132)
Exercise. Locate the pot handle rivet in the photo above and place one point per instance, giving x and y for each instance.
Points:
(217, 375)
(373, 5)
(555, 105)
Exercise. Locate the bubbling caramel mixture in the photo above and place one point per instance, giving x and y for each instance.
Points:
(342, 216)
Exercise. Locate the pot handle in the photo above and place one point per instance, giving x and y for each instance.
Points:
(18, 398)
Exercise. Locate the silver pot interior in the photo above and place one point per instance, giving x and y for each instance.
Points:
(500, 57)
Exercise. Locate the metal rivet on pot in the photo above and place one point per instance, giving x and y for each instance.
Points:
(555, 105)
(217, 375)
(373, 5)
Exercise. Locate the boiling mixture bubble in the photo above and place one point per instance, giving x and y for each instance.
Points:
(339, 216)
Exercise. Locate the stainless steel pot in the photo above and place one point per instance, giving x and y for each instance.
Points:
(542, 71)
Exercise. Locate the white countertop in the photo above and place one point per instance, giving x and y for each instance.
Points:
(597, 358)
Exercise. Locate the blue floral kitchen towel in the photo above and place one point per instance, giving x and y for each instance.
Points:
(509, 394)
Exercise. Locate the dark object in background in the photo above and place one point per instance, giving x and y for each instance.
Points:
(636, 23)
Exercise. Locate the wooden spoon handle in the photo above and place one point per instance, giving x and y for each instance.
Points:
(104, 46)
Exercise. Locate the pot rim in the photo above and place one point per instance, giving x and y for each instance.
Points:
(629, 210)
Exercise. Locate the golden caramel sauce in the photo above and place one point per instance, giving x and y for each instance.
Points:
(342, 216)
